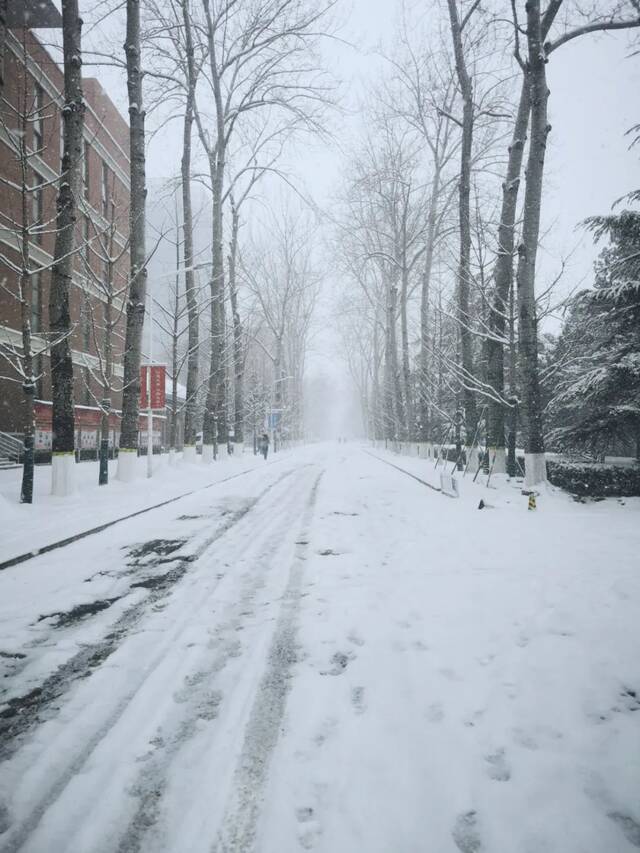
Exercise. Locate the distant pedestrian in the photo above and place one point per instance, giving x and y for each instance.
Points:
(264, 444)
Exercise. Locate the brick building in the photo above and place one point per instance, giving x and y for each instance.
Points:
(31, 101)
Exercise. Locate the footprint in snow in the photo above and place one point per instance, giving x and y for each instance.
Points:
(629, 827)
(308, 827)
(340, 660)
(497, 766)
(465, 833)
(357, 700)
(326, 730)
(435, 713)
(355, 638)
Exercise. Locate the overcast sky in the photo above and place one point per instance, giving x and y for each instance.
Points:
(594, 89)
(593, 101)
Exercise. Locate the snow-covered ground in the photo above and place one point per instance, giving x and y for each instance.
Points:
(50, 518)
(324, 654)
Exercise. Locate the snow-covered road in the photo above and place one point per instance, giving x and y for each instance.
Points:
(323, 654)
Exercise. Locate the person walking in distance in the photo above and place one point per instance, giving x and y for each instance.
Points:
(264, 444)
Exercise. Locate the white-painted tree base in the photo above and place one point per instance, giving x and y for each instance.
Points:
(189, 454)
(172, 456)
(127, 466)
(535, 469)
(238, 448)
(497, 460)
(223, 451)
(473, 458)
(63, 469)
(207, 454)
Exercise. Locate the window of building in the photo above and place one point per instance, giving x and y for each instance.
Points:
(38, 118)
(37, 206)
(86, 170)
(36, 303)
(105, 190)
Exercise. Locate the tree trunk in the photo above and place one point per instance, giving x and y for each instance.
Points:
(535, 466)
(464, 205)
(193, 335)
(62, 415)
(3, 41)
(425, 414)
(409, 422)
(137, 248)
(238, 354)
(103, 475)
(215, 422)
(173, 426)
(512, 422)
(26, 296)
(503, 277)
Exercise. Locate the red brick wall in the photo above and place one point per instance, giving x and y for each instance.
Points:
(106, 133)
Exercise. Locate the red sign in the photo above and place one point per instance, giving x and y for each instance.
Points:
(158, 379)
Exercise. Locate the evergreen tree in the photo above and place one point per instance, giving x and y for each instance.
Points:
(597, 381)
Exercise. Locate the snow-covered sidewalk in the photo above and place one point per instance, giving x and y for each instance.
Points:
(50, 519)
(327, 655)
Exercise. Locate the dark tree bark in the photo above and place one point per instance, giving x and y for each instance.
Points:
(3, 41)
(138, 268)
(63, 424)
(215, 427)
(425, 409)
(503, 279)
(238, 349)
(193, 335)
(26, 296)
(464, 207)
(527, 251)
(503, 271)
(175, 335)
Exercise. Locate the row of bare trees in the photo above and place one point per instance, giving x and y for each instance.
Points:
(438, 240)
(245, 81)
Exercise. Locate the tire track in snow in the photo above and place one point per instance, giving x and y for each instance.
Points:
(23, 712)
(151, 784)
(238, 831)
(18, 834)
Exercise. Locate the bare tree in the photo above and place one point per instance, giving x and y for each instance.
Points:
(465, 83)
(138, 271)
(63, 423)
(104, 258)
(259, 59)
(534, 67)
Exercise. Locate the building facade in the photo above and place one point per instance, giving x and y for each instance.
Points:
(30, 163)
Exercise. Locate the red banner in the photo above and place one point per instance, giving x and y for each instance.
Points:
(158, 380)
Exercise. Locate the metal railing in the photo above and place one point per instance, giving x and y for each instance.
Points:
(10, 447)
